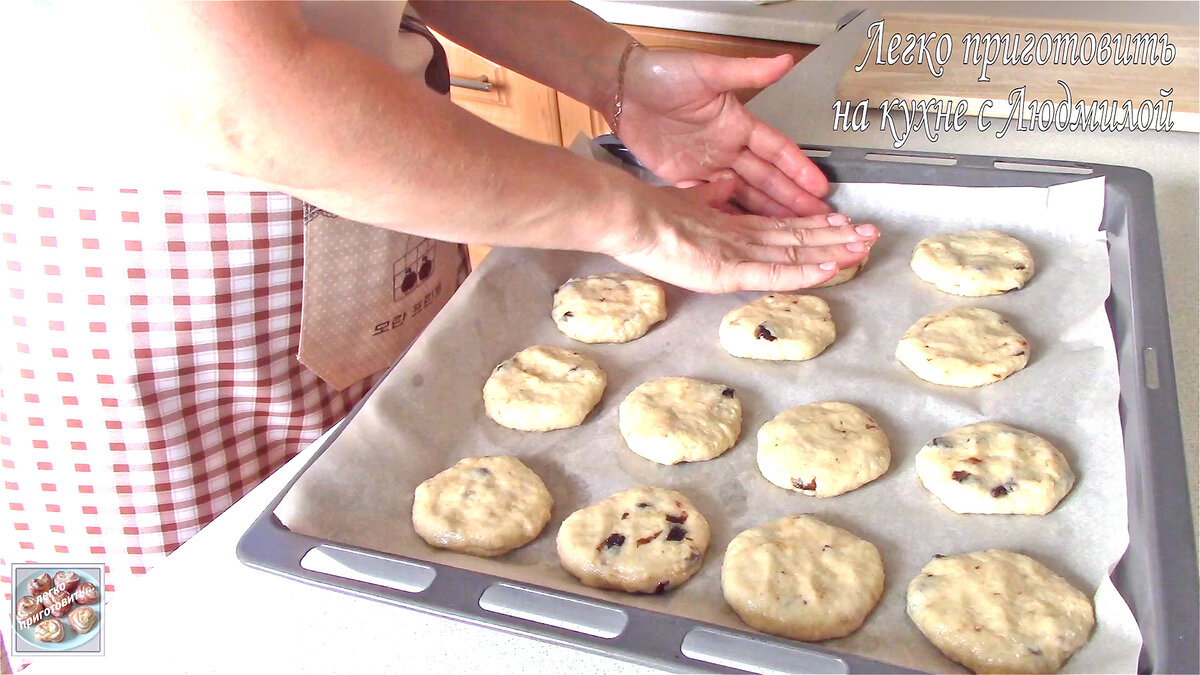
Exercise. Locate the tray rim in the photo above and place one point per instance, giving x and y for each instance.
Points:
(1157, 576)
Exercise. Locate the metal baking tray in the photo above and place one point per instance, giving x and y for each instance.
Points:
(1157, 575)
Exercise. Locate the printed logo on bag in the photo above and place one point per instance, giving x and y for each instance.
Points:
(413, 268)
(57, 609)
(311, 212)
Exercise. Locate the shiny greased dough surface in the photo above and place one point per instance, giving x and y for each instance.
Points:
(973, 263)
(994, 468)
(801, 578)
(644, 540)
(680, 419)
(542, 388)
(963, 347)
(1000, 612)
(616, 307)
(822, 449)
(482, 506)
(778, 327)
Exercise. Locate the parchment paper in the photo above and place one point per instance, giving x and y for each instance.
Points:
(428, 413)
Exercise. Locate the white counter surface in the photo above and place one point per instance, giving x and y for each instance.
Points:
(242, 620)
(807, 22)
(815, 22)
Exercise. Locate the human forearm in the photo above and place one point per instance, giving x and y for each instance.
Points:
(559, 44)
(402, 157)
(343, 130)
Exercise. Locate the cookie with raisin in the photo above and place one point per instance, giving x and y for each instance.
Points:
(994, 468)
(644, 540)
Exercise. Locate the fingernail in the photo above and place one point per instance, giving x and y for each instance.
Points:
(837, 219)
(865, 230)
(855, 247)
(828, 266)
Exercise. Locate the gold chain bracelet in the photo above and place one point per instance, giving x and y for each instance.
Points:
(619, 97)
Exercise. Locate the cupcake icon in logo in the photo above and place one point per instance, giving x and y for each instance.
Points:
(57, 609)
(413, 268)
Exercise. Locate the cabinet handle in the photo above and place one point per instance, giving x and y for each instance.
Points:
(466, 83)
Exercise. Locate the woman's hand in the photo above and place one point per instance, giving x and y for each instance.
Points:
(680, 118)
(682, 240)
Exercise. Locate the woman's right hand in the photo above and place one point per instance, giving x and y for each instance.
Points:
(683, 239)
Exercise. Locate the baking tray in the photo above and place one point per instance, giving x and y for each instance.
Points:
(1157, 575)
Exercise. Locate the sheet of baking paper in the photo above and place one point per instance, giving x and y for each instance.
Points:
(428, 413)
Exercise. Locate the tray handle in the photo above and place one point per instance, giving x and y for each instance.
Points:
(559, 618)
(345, 563)
(642, 632)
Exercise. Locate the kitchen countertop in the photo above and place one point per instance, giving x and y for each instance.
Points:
(807, 22)
(815, 22)
(239, 619)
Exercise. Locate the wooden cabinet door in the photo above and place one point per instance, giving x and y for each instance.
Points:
(711, 43)
(512, 102)
(576, 117)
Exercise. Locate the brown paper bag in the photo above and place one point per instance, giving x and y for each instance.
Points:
(368, 293)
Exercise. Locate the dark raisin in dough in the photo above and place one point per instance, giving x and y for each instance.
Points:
(615, 540)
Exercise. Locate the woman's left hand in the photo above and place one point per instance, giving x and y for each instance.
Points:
(680, 118)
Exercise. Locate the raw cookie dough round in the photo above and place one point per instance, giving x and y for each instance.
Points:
(615, 307)
(680, 419)
(844, 275)
(483, 506)
(973, 263)
(822, 449)
(542, 388)
(994, 468)
(778, 327)
(963, 347)
(801, 578)
(1000, 612)
(644, 540)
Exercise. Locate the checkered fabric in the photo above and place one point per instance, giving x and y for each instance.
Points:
(148, 371)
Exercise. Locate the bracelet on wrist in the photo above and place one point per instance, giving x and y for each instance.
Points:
(619, 96)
